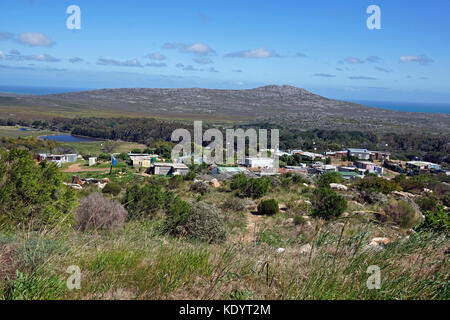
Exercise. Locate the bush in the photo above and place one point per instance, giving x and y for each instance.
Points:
(190, 176)
(99, 213)
(299, 220)
(327, 204)
(426, 203)
(329, 177)
(268, 207)
(257, 188)
(446, 200)
(400, 212)
(177, 215)
(374, 183)
(204, 223)
(238, 182)
(235, 204)
(144, 201)
(175, 182)
(112, 188)
(438, 221)
(33, 195)
(104, 156)
(200, 187)
(124, 156)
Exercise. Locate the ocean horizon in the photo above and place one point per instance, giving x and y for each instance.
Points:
(390, 105)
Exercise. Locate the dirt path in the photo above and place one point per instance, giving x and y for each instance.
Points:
(77, 167)
(253, 223)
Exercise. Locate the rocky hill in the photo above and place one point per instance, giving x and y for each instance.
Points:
(286, 105)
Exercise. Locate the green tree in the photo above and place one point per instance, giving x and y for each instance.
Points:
(329, 177)
(33, 195)
(327, 204)
(268, 207)
(144, 201)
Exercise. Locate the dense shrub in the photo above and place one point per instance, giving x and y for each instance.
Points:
(191, 175)
(104, 156)
(175, 182)
(200, 187)
(438, 220)
(400, 212)
(373, 183)
(268, 207)
(373, 196)
(234, 204)
(329, 177)
(144, 201)
(112, 188)
(298, 219)
(99, 213)
(327, 204)
(238, 182)
(426, 203)
(177, 215)
(446, 200)
(257, 188)
(33, 195)
(124, 156)
(205, 223)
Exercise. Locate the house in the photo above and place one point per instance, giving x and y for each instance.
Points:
(59, 159)
(92, 161)
(311, 155)
(255, 162)
(362, 154)
(336, 154)
(380, 155)
(168, 169)
(422, 165)
(143, 160)
(369, 167)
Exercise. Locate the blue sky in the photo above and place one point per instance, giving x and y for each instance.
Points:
(323, 46)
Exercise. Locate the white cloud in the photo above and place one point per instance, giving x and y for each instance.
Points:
(260, 53)
(117, 63)
(35, 39)
(196, 48)
(203, 60)
(41, 57)
(324, 75)
(422, 59)
(75, 60)
(353, 60)
(2, 55)
(156, 56)
(156, 64)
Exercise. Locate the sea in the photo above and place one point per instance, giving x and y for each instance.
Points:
(390, 105)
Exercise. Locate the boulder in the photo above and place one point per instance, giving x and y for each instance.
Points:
(337, 186)
(214, 183)
(280, 250)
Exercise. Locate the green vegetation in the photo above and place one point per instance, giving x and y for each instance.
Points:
(268, 207)
(437, 220)
(327, 204)
(113, 188)
(31, 195)
(329, 177)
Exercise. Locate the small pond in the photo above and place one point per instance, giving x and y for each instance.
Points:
(68, 138)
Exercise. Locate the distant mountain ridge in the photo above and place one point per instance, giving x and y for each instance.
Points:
(284, 105)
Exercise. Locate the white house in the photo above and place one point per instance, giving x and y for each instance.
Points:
(254, 162)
